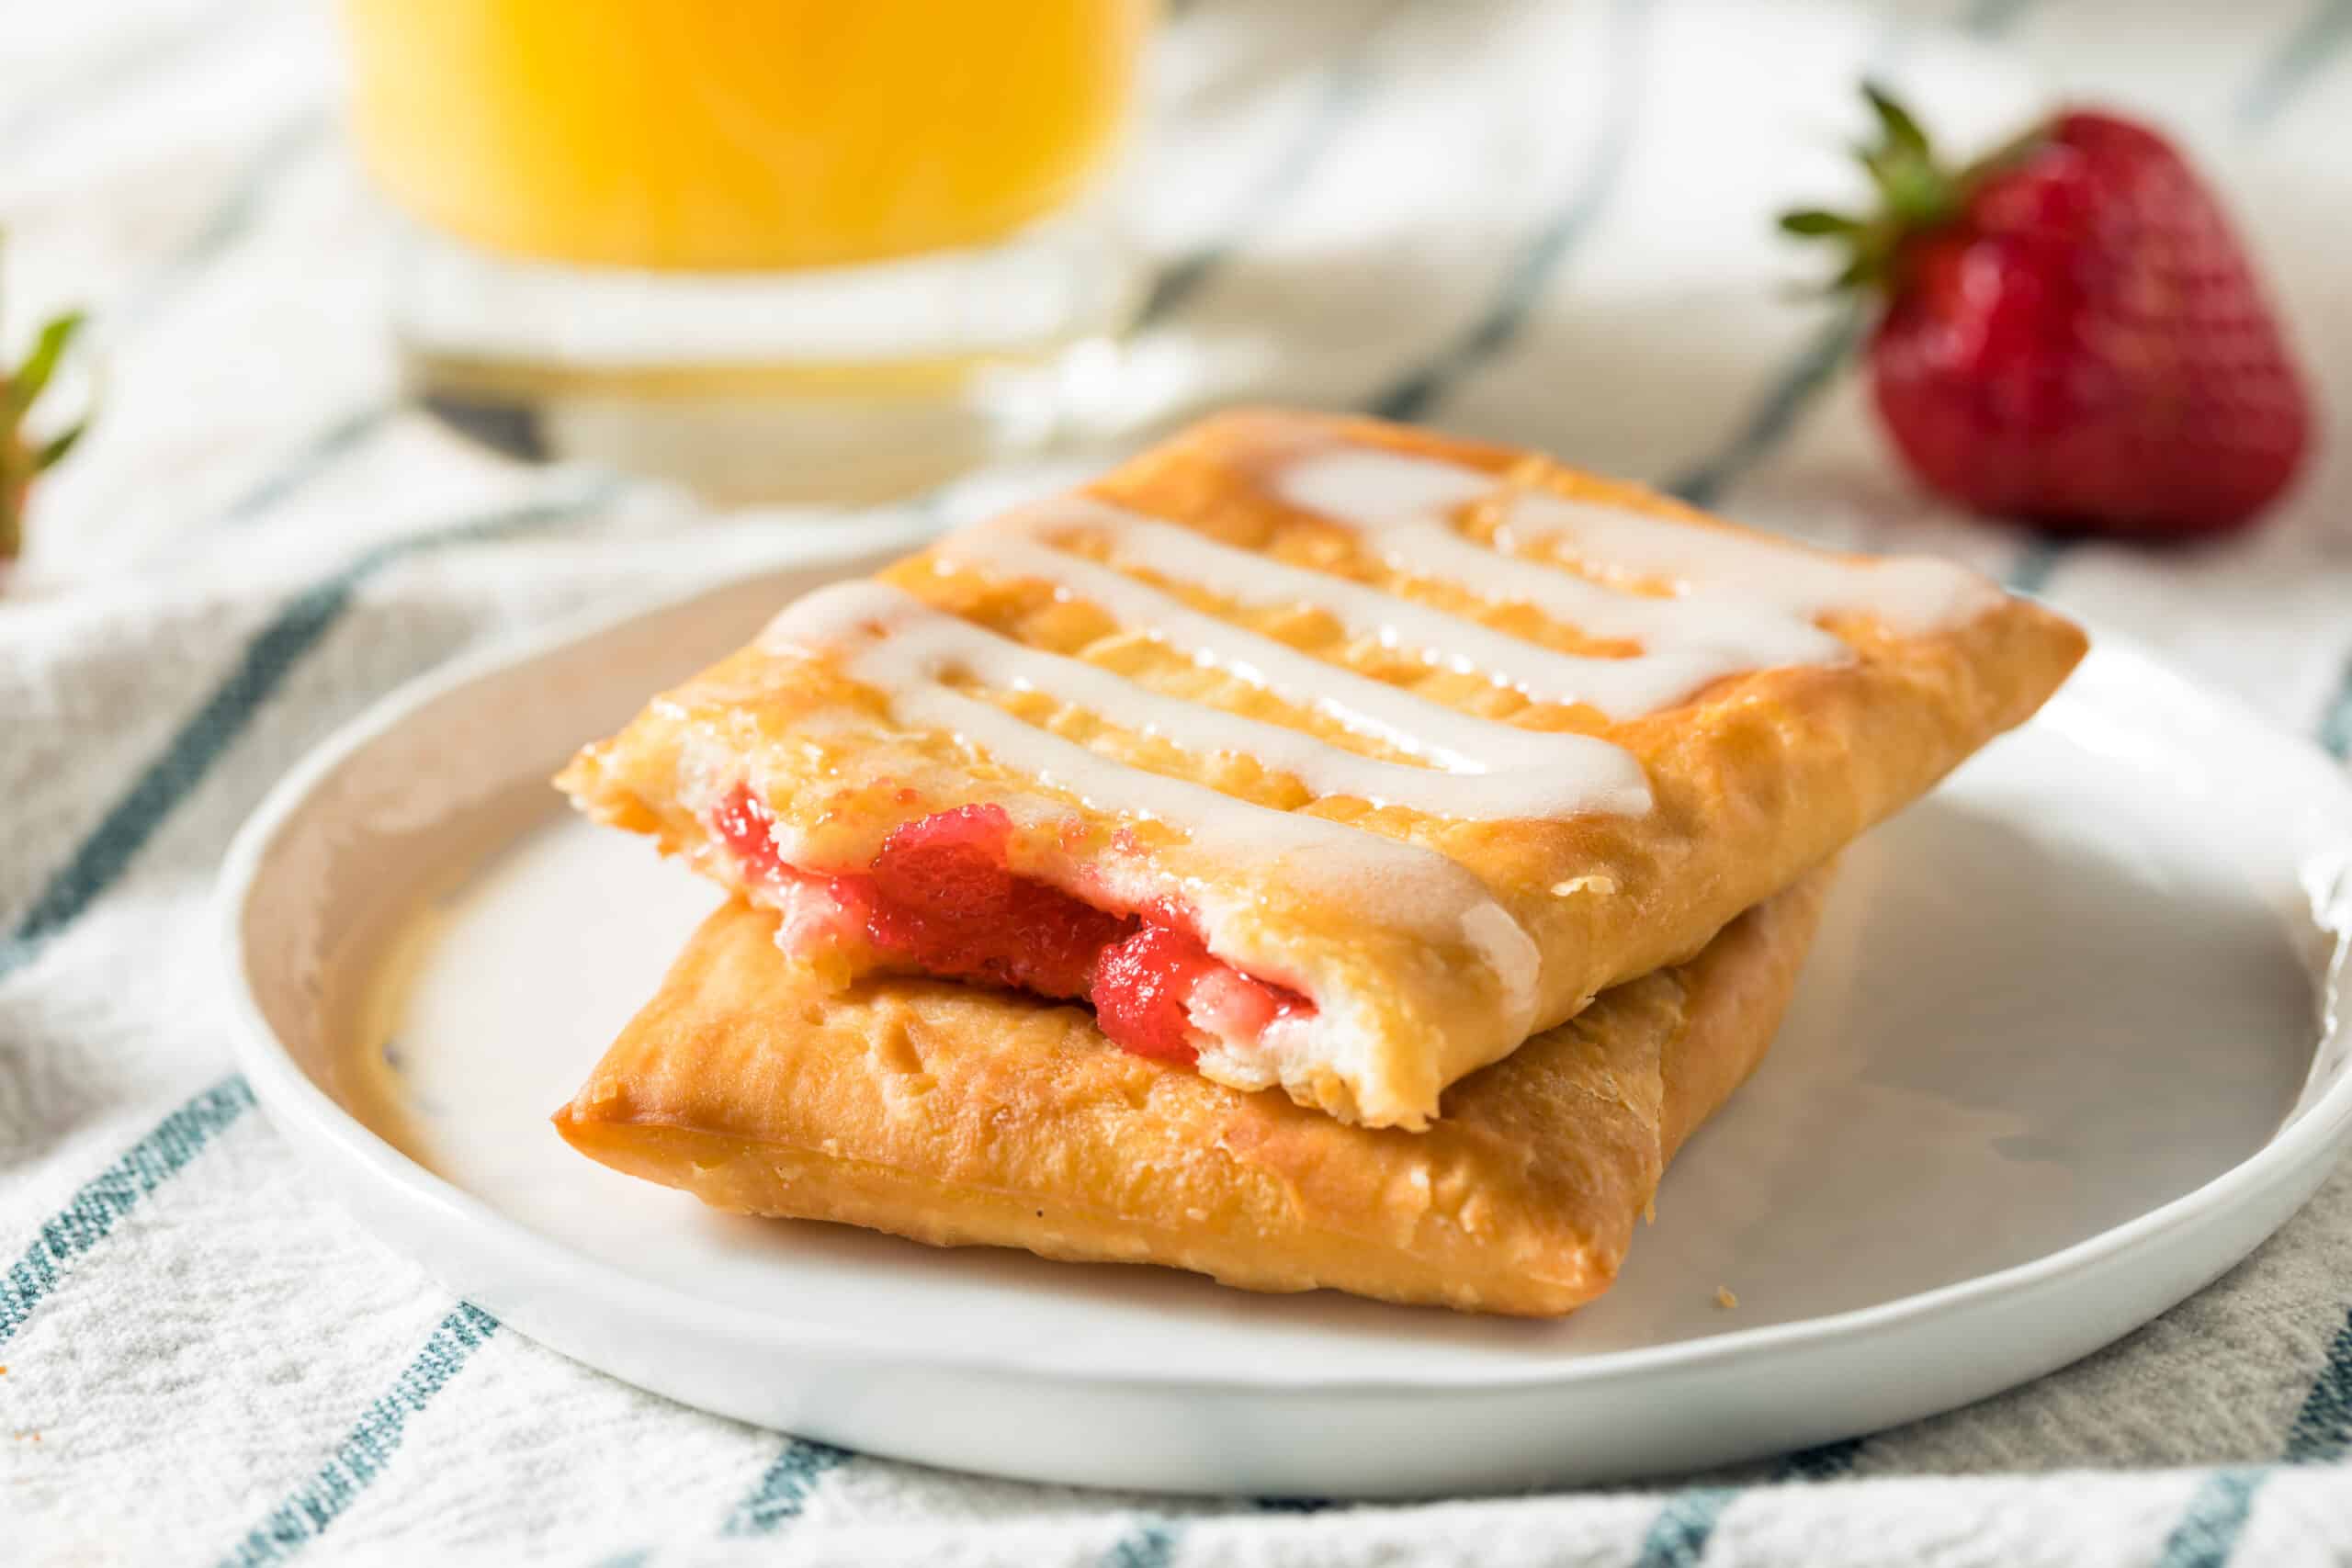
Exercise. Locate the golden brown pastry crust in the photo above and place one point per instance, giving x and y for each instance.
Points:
(956, 1115)
(1756, 778)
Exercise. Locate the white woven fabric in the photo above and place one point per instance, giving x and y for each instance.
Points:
(1544, 222)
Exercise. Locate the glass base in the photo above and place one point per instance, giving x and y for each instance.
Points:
(846, 384)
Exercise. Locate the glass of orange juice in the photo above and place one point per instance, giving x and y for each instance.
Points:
(776, 247)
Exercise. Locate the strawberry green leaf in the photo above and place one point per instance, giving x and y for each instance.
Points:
(53, 451)
(1814, 223)
(1904, 135)
(32, 375)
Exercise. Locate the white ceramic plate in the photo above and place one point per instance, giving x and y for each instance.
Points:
(2056, 1064)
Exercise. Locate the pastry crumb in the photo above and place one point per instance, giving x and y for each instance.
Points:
(1575, 885)
(1725, 1299)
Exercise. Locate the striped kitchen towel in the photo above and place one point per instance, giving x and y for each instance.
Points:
(1544, 222)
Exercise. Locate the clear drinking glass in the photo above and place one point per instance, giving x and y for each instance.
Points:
(776, 248)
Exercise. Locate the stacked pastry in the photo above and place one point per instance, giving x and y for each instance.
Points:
(1317, 854)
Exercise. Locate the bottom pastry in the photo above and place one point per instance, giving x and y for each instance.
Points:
(956, 1115)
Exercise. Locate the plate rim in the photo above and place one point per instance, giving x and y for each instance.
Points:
(2308, 1135)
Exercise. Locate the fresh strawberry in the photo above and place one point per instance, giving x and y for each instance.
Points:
(2072, 335)
(21, 456)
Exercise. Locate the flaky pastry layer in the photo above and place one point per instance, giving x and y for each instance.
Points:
(958, 1116)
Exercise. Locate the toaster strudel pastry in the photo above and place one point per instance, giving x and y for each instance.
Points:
(1320, 752)
(959, 1115)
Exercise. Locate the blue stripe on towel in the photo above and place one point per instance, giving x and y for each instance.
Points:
(1829, 1461)
(2300, 57)
(329, 445)
(2209, 1527)
(368, 1451)
(782, 1492)
(1678, 1538)
(278, 152)
(2208, 1530)
(2335, 722)
(2031, 571)
(1420, 390)
(2323, 1428)
(1990, 18)
(1340, 96)
(107, 1197)
(99, 861)
(1150, 1544)
(1785, 400)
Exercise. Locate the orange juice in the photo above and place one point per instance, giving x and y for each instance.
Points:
(727, 135)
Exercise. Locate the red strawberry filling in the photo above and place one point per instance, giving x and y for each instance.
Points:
(939, 898)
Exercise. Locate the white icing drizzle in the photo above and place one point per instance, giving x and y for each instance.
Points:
(1751, 598)
(1735, 604)
(1908, 594)
(1456, 741)
(1577, 773)
(897, 644)
(1715, 634)
(1622, 688)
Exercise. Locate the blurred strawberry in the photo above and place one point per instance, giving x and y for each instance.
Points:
(2072, 334)
(21, 456)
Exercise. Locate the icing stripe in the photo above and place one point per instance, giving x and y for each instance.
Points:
(1756, 595)
(1732, 603)
(1622, 688)
(1907, 593)
(1688, 640)
(1451, 739)
(1735, 605)
(1608, 779)
(1712, 622)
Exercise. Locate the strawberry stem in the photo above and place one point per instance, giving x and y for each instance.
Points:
(1915, 194)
